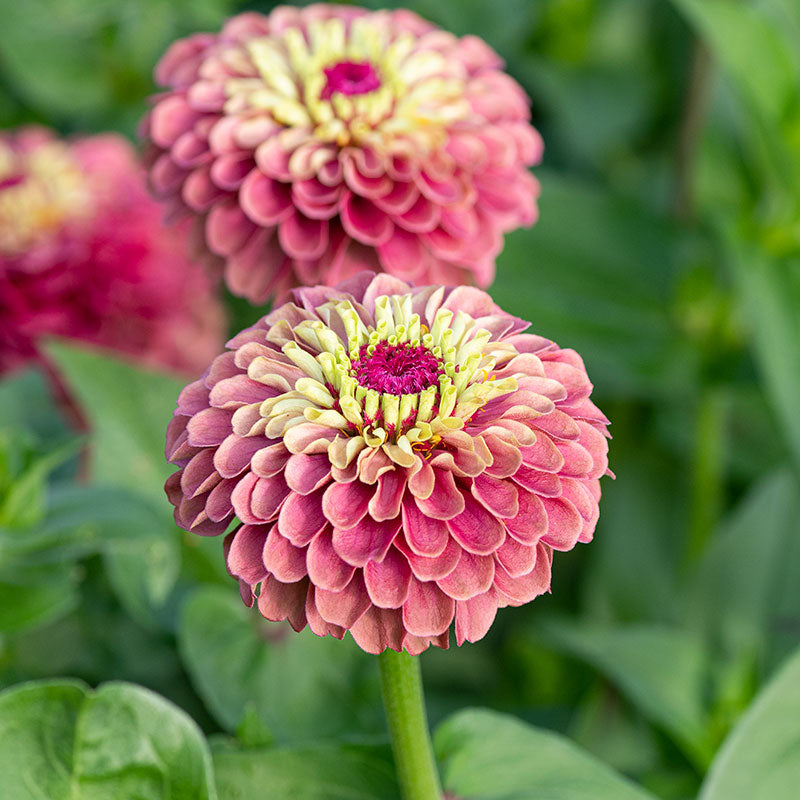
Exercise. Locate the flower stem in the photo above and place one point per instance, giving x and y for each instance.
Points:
(401, 682)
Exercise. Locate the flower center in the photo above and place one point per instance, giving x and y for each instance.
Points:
(397, 369)
(40, 190)
(350, 77)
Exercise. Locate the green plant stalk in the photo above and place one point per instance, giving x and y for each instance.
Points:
(707, 471)
(404, 702)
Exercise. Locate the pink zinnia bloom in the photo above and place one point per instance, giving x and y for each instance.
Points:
(83, 254)
(398, 458)
(313, 143)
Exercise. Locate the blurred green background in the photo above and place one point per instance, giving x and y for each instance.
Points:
(667, 254)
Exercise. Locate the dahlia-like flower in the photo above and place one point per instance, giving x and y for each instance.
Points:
(83, 254)
(397, 457)
(313, 143)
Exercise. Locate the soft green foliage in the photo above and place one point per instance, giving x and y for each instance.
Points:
(491, 756)
(667, 254)
(242, 665)
(66, 742)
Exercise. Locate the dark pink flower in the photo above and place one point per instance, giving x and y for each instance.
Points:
(83, 254)
(312, 143)
(397, 458)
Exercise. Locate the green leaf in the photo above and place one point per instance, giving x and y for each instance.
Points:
(663, 671)
(23, 503)
(770, 292)
(62, 741)
(751, 47)
(300, 686)
(335, 772)
(595, 274)
(28, 604)
(761, 757)
(748, 578)
(491, 756)
(129, 409)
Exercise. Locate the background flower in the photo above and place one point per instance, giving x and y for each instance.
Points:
(83, 254)
(399, 458)
(312, 143)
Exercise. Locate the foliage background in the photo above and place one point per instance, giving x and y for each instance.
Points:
(667, 254)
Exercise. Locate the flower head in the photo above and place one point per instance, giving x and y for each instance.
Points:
(398, 458)
(312, 143)
(83, 254)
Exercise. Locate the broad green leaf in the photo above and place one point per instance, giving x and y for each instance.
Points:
(128, 409)
(26, 403)
(24, 501)
(62, 741)
(663, 672)
(326, 772)
(80, 520)
(749, 575)
(752, 49)
(484, 755)
(595, 274)
(28, 604)
(760, 759)
(770, 293)
(301, 687)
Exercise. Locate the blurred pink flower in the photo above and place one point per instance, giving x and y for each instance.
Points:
(83, 254)
(313, 143)
(398, 458)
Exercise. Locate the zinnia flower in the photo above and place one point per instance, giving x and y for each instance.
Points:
(83, 254)
(313, 143)
(398, 458)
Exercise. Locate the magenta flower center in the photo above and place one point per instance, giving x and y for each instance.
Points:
(396, 368)
(350, 77)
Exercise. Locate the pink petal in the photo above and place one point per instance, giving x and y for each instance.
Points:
(303, 238)
(426, 536)
(428, 611)
(475, 529)
(301, 518)
(445, 501)
(267, 496)
(403, 254)
(315, 620)
(387, 581)
(227, 228)
(543, 454)
(497, 496)
(368, 540)
(218, 503)
(278, 601)
(269, 461)
(234, 454)
(325, 568)
(578, 463)
(517, 559)
(265, 201)
(344, 607)
(421, 482)
(199, 475)
(530, 524)
(507, 458)
(169, 119)
(364, 221)
(377, 629)
(474, 617)
(305, 473)
(209, 427)
(245, 556)
(473, 575)
(545, 484)
(285, 561)
(345, 504)
(432, 568)
(564, 523)
(385, 503)
(524, 588)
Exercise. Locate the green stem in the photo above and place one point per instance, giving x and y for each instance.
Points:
(401, 682)
(707, 470)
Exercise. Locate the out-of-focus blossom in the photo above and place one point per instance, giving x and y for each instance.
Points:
(313, 143)
(83, 254)
(398, 458)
